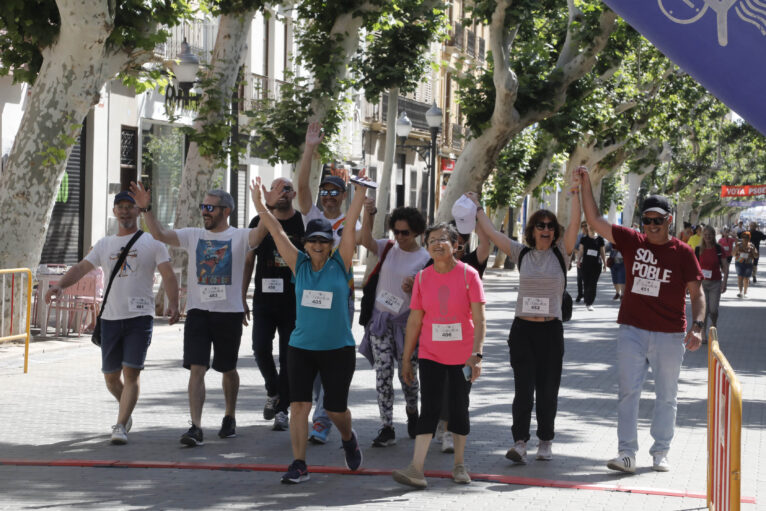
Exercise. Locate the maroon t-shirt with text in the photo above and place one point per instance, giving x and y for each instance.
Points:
(655, 284)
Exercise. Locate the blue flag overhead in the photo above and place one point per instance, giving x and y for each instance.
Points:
(720, 43)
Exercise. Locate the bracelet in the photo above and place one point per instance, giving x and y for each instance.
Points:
(477, 354)
(374, 212)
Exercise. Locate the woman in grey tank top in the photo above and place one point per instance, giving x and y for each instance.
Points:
(536, 340)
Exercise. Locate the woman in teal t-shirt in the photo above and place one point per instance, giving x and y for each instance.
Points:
(321, 341)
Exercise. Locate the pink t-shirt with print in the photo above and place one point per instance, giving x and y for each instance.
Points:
(446, 335)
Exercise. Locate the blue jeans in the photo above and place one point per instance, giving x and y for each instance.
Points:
(637, 351)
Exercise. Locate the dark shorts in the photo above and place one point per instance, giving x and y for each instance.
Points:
(618, 273)
(744, 269)
(335, 367)
(222, 330)
(124, 342)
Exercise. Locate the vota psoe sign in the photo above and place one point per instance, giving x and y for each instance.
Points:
(743, 191)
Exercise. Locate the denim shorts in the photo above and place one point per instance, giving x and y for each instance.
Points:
(744, 269)
(124, 342)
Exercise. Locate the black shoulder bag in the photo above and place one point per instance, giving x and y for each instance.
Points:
(370, 287)
(566, 298)
(96, 337)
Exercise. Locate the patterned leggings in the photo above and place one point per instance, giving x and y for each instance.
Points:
(383, 354)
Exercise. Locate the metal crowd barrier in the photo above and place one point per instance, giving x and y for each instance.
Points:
(724, 430)
(14, 308)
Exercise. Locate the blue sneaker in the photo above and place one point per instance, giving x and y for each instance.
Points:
(296, 473)
(319, 433)
(353, 452)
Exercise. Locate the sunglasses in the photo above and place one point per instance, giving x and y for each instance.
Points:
(318, 239)
(331, 193)
(659, 220)
(541, 226)
(403, 232)
(287, 189)
(209, 207)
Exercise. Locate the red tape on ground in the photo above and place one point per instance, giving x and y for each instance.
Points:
(494, 478)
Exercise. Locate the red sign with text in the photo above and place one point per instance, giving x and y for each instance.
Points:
(448, 164)
(743, 191)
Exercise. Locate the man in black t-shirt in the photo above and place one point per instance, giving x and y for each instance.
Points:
(756, 237)
(273, 299)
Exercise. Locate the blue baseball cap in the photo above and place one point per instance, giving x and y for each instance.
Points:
(124, 195)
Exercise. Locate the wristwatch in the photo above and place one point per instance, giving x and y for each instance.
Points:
(146, 209)
(477, 354)
(700, 324)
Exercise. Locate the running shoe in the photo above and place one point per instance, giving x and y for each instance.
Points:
(296, 473)
(129, 424)
(386, 437)
(410, 476)
(281, 422)
(119, 435)
(448, 443)
(352, 452)
(623, 463)
(319, 433)
(228, 427)
(660, 463)
(518, 453)
(460, 474)
(544, 451)
(193, 437)
(270, 408)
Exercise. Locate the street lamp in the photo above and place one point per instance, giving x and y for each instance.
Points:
(426, 151)
(185, 71)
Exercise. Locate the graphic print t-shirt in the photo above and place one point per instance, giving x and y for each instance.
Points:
(131, 294)
(655, 285)
(216, 263)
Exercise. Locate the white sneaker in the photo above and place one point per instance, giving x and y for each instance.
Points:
(441, 427)
(518, 453)
(589, 307)
(119, 435)
(660, 463)
(623, 463)
(544, 451)
(448, 443)
(129, 424)
(744, 295)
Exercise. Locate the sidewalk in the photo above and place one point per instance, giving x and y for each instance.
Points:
(61, 410)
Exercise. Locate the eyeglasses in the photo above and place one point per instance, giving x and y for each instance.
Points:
(331, 193)
(541, 226)
(436, 241)
(657, 220)
(403, 232)
(287, 189)
(318, 239)
(209, 207)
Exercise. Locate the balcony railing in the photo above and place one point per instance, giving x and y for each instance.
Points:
(471, 46)
(459, 30)
(482, 45)
(199, 34)
(416, 111)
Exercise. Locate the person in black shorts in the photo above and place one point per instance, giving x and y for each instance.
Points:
(273, 299)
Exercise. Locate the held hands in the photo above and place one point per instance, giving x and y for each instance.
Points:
(314, 135)
(580, 176)
(141, 195)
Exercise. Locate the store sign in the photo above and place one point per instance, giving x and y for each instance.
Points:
(743, 191)
(448, 164)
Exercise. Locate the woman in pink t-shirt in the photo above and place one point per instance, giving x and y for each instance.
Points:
(715, 272)
(447, 315)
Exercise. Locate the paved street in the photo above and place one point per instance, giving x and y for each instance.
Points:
(61, 410)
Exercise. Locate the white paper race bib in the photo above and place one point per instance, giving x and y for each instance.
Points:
(592, 252)
(448, 332)
(708, 274)
(272, 286)
(646, 287)
(140, 304)
(212, 293)
(317, 299)
(534, 305)
(390, 301)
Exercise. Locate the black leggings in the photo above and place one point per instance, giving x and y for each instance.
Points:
(590, 275)
(537, 355)
(335, 367)
(436, 380)
(266, 322)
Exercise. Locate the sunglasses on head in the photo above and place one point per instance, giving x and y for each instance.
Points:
(318, 239)
(331, 193)
(541, 226)
(209, 207)
(403, 232)
(658, 220)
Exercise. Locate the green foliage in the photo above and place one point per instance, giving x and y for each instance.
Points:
(516, 165)
(611, 192)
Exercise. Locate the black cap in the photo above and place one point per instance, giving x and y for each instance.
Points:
(656, 203)
(335, 181)
(124, 196)
(319, 227)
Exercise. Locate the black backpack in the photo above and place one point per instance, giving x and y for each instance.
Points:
(566, 298)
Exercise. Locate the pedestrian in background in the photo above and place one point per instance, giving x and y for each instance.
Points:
(591, 259)
(744, 255)
(616, 264)
(715, 273)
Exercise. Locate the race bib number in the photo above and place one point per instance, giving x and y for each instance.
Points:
(140, 304)
(390, 301)
(317, 299)
(212, 293)
(646, 287)
(591, 252)
(533, 305)
(708, 274)
(272, 286)
(448, 332)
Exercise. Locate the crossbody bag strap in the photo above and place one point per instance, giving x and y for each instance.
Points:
(561, 262)
(120, 260)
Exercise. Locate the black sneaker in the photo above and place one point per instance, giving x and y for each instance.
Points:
(352, 452)
(193, 437)
(296, 473)
(228, 425)
(412, 422)
(386, 436)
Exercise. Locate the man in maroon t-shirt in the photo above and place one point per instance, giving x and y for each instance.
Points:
(652, 333)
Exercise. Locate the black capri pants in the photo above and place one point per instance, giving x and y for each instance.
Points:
(433, 378)
(335, 367)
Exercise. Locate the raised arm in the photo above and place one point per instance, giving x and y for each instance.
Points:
(314, 137)
(594, 219)
(143, 198)
(348, 238)
(256, 235)
(171, 290)
(368, 218)
(483, 222)
(482, 250)
(285, 247)
(570, 235)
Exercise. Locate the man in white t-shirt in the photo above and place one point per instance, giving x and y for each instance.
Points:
(332, 193)
(126, 323)
(214, 308)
